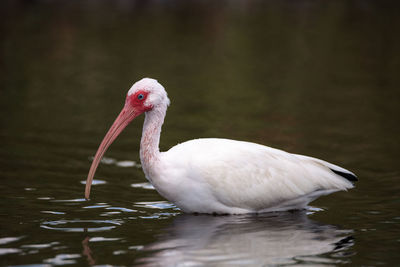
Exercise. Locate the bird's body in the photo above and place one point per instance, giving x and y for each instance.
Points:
(226, 176)
(223, 176)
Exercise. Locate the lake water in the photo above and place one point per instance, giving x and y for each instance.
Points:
(310, 77)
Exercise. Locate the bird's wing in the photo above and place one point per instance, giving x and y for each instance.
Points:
(251, 176)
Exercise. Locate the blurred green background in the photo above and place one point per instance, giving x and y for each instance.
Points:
(312, 77)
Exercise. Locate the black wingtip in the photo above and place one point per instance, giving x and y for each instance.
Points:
(348, 176)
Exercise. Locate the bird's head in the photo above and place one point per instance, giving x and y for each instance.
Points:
(144, 96)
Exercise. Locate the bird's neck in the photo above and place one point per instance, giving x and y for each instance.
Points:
(149, 144)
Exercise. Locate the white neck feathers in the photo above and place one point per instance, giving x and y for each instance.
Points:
(149, 144)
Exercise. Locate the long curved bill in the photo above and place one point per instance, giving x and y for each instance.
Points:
(124, 118)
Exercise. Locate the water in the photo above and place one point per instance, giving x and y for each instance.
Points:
(309, 77)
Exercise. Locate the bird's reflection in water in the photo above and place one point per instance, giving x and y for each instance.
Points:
(87, 251)
(266, 239)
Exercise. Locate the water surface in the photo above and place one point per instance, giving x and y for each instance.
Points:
(308, 77)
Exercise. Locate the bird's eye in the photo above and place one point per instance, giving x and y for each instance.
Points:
(140, 96)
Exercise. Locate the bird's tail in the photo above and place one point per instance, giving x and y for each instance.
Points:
(348, 175)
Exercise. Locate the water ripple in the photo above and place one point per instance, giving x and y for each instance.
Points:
(52, 212)
(95, 182)
(97, 206)
(127, 163)
(6, 240)
(121, 209)
(101, 239)
(62, 259)
(5, 251)
(39, 246)
(143, 186)
(83, 227)
(156, 205)
(69, 200)
(118, 163)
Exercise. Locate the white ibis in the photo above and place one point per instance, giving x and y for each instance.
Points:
(221, 176)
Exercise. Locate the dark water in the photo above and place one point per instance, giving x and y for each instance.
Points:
(311, 77)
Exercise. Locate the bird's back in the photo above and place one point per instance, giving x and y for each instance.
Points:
(227, 176)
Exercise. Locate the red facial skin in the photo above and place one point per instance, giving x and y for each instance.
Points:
(138, 104)
(134, 106)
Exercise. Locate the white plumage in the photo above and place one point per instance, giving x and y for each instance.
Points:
(221, 176)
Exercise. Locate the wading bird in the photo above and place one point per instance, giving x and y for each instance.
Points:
(222, 176)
